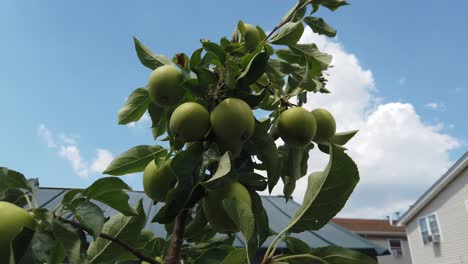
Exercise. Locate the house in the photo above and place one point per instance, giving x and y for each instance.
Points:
(279, 214)
(381, 232)
(437, 223)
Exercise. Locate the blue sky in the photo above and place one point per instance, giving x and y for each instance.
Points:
(67, 66)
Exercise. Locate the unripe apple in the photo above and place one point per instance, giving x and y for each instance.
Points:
(158, 181)
(12, 220)
(190, 122)
(326, 125)
(251, 37)
(233, 121)
(164, 86)
(214, 210)
(297, 126)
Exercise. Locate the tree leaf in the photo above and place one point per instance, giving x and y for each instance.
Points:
(241, 215)
(254, 69)
(212, 256)
(319, 26)
(311, 52)
(46, 249)
(330, 4)
(70, 240)
(134, 160)
(148, 58)
(289, 34)
(127, 228)
(10, 179)
(215, 49)
(224, 167)
(195, 59)
(263, 145)
(339, 255)
(262, 227)
(158, 120)
(321, 201)
(135, 106)
(343, 137)
(110, 191)
(296, 246)
(237, 256)
(91, 217)
(184, 165)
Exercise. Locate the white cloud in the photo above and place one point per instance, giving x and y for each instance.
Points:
(435, 106)
(398, 155)
(67, 148)
(104, 157)
(44, 133)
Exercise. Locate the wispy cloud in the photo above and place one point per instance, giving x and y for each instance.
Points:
(68, 149)
(435, 106)
(402, 80)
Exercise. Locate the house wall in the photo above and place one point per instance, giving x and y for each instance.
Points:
(389, 259)
(452, 213)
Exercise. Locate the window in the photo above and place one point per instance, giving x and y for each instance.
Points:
(395, 247)
(429, 228)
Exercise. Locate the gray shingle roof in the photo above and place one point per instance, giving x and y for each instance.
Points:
(279, 214)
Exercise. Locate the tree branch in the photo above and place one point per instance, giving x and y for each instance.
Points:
(140, 255)
(177, 238)
(286, 20)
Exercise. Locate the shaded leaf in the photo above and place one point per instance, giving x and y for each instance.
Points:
(237, 256)
(135, 106)
(127, 228)
(319, 26)
(296, 246)
(343, 137)
(91, 217)
(70, 240)
(112, 192)
(224, 167)
(339, 255)
(254, 69)
(241, 215)
(134, 160)
(46, 249)
(158, 120)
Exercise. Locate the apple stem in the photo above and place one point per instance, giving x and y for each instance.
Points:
(177, 238)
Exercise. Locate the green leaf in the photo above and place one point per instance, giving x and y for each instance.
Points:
(241, 215)
(253, 180)
(343, 137)
(135, 106)
(237, 256)
(232, 70)
(212, 256)
(338, 255)
(330, 4)
(263, 145)
(194, 87)
(224, 167)
(158, 120)
(196, 59)
(148, 58)
(111, 191)
(91, 217)
(127, 228)
(290, 57)
(70, 240)
(184, 165)
(289, 34)
(10, 179)
(312, 52)
(215, 48)
(296, 246)
(262, 227)
(254, 69)
(134, 160)
(319, 26)
(46, 249)
(321, 202)
(70, 195)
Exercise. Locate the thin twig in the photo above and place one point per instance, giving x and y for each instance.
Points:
(140, 255)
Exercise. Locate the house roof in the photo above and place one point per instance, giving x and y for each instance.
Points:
(279, 214)
(435, 189)
(370, 226)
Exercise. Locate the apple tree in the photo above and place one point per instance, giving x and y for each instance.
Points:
(230, 122)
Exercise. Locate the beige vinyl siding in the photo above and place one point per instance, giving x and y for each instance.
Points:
(389, 259)
(452, 216)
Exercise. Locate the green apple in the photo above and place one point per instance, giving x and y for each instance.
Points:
(164, 86)
(12, 220)
(251, 37)
(233, 121)
(326, 125)
(190, 122)
(214, 210)
(158, 181)
(297, 126)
